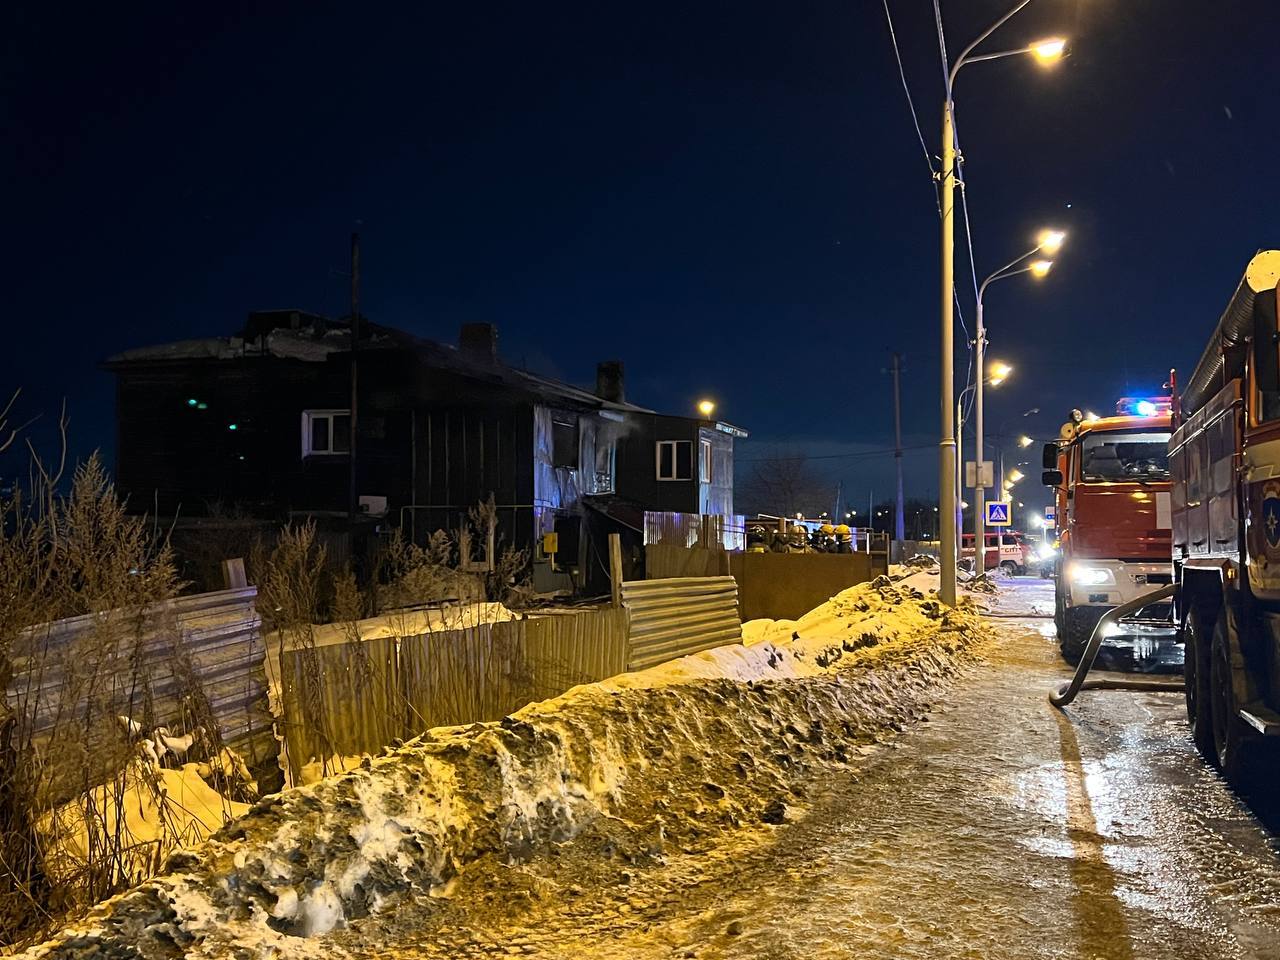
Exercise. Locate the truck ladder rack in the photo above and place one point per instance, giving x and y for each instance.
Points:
(1068, 691)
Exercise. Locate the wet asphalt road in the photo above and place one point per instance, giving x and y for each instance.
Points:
(1001, 828)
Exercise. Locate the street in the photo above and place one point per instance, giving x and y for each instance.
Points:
(999, 828)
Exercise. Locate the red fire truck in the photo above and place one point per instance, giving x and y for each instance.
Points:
(1225, 463)
(1110, 477)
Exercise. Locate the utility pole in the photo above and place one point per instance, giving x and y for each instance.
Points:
(947, 442)
(899, 521)
(353, 506)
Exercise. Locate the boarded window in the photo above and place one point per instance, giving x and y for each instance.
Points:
(675, 460)
(564, 444)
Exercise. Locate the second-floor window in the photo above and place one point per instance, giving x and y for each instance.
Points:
(564, 444)
(326, 432)
(675, 459)
(704, 461)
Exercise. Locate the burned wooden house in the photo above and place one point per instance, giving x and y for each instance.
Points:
(263, 420)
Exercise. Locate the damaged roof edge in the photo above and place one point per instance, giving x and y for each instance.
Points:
(313, 345)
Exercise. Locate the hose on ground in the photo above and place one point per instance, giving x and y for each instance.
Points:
(1068, 691)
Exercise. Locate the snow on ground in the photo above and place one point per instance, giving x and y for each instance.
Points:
(699, 745)
(150, 811)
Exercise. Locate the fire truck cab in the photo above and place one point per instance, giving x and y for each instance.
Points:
(1110, 477)
(1225, 464)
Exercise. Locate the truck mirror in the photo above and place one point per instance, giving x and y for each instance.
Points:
(1049, 458)
(1051, 478)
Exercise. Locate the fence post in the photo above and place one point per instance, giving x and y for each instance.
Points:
(615, 567)
(233, 573)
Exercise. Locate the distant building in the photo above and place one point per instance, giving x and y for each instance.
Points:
(262, 420)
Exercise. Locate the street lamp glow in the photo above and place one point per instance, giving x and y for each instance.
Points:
(1040, 268)
(706, 407)
(1050, 241)
(1025, 441)
(998, 373)
(1048, 50)
(1015, 475)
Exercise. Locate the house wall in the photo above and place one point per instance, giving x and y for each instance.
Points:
(173, 456)
(461, 455)
(638, 468)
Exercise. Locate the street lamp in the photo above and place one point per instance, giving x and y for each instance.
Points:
(1046, 51)
(1047, 241)
(706, 407)
(997, 374)
(1024, 441)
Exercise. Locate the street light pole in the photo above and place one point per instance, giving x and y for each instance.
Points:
(1050, 241)
(947, 445)
(1046, 51)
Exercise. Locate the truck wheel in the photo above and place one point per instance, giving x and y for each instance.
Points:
(1010, 568)
(1198, 641)
(1231, 740)
(1079, 623)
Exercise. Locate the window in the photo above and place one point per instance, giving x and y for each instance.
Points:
(326, 432)
(564, 444)
(675, 459)
(1125, 457)
(704, 461)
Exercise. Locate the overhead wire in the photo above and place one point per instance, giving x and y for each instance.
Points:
(884, 452)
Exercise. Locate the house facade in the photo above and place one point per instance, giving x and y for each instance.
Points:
(263, 420)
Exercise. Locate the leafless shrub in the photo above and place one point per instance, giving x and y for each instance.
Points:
(69, 772)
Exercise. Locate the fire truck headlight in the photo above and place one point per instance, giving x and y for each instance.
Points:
(1047, 552)
(1091, 576)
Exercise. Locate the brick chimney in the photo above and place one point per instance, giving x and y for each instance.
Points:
(610, 381)
(479, 341)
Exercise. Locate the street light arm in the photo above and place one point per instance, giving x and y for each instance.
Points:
(1003, 271)
(964, 54)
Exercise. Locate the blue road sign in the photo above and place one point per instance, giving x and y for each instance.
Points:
(999, 513)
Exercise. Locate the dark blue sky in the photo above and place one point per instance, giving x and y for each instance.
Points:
(729, 197)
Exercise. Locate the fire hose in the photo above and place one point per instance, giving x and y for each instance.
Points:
(1068, 691)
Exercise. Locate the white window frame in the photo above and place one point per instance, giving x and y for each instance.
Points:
(675, 460)
(704, 460)
(308, 418)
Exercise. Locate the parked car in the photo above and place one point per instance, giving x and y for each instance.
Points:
(1008, 550)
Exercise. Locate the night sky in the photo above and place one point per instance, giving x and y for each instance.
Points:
(729, 197)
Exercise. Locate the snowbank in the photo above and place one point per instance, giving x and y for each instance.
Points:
(683, 750)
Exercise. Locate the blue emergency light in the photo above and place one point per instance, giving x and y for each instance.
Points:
(1144, 406)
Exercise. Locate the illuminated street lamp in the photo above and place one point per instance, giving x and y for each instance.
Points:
(1049, 50)
(997, 374)
(706, 407)
(1024, 441)
(1047, 241)
(1046, 51)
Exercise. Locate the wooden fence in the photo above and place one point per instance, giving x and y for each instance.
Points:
(348, 698)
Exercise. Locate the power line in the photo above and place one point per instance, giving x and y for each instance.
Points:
(887, 451)
(915, 119)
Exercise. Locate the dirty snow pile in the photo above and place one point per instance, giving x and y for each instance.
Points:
(673, 755)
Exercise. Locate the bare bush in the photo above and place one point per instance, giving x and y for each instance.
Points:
(69, 772)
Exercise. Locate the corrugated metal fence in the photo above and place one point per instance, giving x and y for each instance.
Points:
(694, 530)
(147, 665)
(678, 616)
(350, 698)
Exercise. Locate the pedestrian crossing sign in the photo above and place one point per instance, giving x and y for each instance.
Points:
(999, 513)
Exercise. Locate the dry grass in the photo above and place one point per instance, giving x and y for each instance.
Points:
(69, 768)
